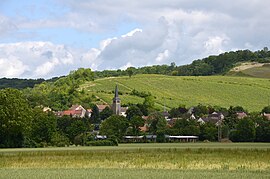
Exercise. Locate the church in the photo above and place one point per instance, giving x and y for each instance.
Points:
(116, 105)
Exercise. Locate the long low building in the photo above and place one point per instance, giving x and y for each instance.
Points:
(154, 137)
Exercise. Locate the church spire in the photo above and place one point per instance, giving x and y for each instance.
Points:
(116, 106)
(116, 92)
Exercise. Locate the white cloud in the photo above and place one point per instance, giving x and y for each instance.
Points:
(35, 59)
(46, 68)
(214, 45)
(12, 67)
(162, 56)
(126, 66)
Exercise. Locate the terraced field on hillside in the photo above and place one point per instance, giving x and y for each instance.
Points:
(251, 93)
(258, 70)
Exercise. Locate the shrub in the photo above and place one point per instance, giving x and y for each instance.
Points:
(59, 140)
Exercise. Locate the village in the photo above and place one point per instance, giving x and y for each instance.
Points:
(144, 134)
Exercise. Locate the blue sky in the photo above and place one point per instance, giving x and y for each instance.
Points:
(116, 34)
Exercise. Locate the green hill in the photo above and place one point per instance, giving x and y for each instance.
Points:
(251, 93)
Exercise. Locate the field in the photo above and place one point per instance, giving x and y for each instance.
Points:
(258, 70)
(225, 91)
(170, 160)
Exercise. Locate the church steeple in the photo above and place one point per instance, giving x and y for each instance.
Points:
(116, 106)
(116, 92)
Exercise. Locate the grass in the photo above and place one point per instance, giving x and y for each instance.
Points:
(251, 69)
(170, 160)
(127, 173)
(259, 72)
(225, 91)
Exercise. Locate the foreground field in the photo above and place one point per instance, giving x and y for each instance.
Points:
(196, 160)
(225, 91)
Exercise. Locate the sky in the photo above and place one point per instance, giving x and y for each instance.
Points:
(48, 38)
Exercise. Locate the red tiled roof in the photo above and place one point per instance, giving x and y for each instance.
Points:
(72, 112)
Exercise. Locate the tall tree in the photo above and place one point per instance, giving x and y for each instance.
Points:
(130, 71)
(15, 118)
(107, 112)
(133, 111)
(95, 118)
(245, 131)
(136, 122)
(114, 126)
(43, 126)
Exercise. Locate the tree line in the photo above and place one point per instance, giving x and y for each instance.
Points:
(19, 83)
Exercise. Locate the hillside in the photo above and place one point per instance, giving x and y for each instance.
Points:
(258, 70)
(251, 93)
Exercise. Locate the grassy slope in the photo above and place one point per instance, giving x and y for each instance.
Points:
(257, 70)
(170, 160)
(260, 72)
(251, 93)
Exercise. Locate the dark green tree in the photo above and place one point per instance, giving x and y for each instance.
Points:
(262, 126)
(143, 109)
(136, 122)
(114, 126)
(15, 118)
(130, 71)
(107, 112)
(63, 123)
(133, 111)
(77, 127)
(245, 131)
(200, 110)
(266, 109)
(157, 123)
(208, 131)
(95, 118)
(43, 127)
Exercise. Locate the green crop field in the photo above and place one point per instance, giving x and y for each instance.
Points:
(170, 160)
(225, 91)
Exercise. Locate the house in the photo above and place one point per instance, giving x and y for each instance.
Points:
(145, 127)
(101, 107)
(165, 114)
(214, 118)
(76, 111)
(267, 116)
(201, 120)
(123, 111)
(46, 109)
(241, 115)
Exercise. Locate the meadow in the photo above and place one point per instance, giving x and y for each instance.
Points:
(171, 91)
(168, 160)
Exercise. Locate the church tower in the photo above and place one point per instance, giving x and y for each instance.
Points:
(116, 106)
